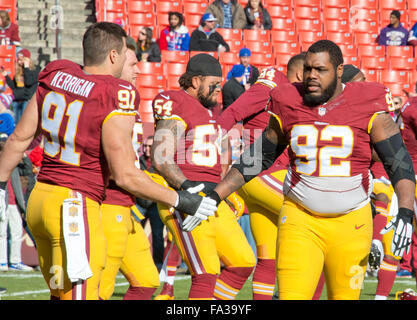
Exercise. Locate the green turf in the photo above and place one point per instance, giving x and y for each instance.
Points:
(31, 286)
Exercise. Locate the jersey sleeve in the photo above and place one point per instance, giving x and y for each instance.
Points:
(166, 107)
(124, 100)
(271, 77)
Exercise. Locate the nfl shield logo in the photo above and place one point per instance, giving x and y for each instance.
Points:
(322, 111)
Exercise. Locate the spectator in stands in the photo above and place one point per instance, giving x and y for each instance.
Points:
(175, 37)
(251, 72)
(394, 34)
(24, 83)
(206, 38)
(9, 31)
(257, 17)
(233, 88)
(412, 36)
(229, 14)
(147, 49)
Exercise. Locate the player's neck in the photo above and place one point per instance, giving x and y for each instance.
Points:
(98, 70)
(337, 92)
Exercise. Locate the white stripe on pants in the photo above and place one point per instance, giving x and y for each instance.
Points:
(14, 221)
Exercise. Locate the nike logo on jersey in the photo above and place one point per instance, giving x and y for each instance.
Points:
(165, 97)
(358, 227)
(128, 88)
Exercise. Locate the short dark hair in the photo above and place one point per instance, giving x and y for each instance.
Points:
(335, 54)
(186, 81)
(294, 59)
(99, 39)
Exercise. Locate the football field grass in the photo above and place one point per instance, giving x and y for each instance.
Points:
(31, 286)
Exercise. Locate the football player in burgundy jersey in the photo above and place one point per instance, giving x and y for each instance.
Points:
(187, 152)
(326, 221)
(86, 116)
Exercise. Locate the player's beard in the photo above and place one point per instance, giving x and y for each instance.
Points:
(328, 92)
(205, 99)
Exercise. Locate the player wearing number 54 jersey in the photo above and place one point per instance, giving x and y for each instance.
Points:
(326, 221)
(86, 116)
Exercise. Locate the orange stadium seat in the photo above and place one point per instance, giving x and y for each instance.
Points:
(256, 35)
(412, 5)
(140, 6)
(192, 21)
(336, 3)
(283, 36)
(362, 14)
(148, 93)
(287, 47)
(282, 24)
(371, 75)
(348, 50)
(412, 17)
(194, 7)
(230, 34)
(284, 3)
(162, 20)
(365, 26)
(340, 38)
(308, 25)
(146, 112)
(150, 67)
(336, 26)
(115, 5)
(172, 82)
(392, 4)
(7, 51)
(310, 36)
(261, 59)
(333, 13)
(281, 59)
(226, 58)
(259, 46)
(8, 63)
(235, 45)
(307, 3)
(400, 51)
(174, 56)
(307, 13)
(142, 18)
(166, 6)
(365, 38)
(369, 4)
(276, 11)
(395, 76)
(412, 77)
(400, 63)
(134, 30)
(376, 63)
(396, 88)
(352, 60)
(175, 69)
(151, 81)
(369, 50)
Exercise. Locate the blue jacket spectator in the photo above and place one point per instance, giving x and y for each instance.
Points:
(394, 34)
(251, 72)
(412, 36)
(175, 37)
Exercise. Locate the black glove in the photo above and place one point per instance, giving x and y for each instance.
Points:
(197, 186)
(195, 205)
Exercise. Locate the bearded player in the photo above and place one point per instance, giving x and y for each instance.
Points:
(326, 221)
(86, 116)
(187, 152)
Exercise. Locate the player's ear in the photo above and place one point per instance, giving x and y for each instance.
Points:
(196, 81)
(113, 56)
(339, 71)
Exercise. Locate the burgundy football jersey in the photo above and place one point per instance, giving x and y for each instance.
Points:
(329, 145)
(72, 107)
(114, 194)
(408, 128)
(378, 170)
(250, 106)
(198, 153)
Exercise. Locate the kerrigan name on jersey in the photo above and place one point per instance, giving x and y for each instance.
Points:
(70, 83)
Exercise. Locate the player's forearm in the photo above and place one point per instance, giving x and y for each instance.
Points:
(233, 181)
(171, 173)
(405, 191)
(10, 157)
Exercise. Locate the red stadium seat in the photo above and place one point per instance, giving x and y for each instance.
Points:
(307, 13)
(162, 20)
(332, 13)
(307, 3)
(397, 88)
(259, 46)
(287, 47)
(310, 36)
(194, 7)
(365, 38)
(261, 59)
(308, 25)
(362, 14)
(167, 6)
(115, 5)
(283, 24)
(281, 59)
(400, 63)
(256, 35)
(369, 4)
(340, 38)
(376, 63)
(151, 81)
(212, 53)
(412, 77)
(230, 34)
(7, 51)
(412, 16)
(148, 93)
(369, 50)
(141, 18)
(348, 50)
(175, 69)
(174, 56)
(400, 51)
(172, 82)
(140, 6)
(8, 63)
(236, 45)
(395, 76)
(392, 4)
(372, 75)
(229, 58)
(146, 113)
(352, 60)
(412, 5)
(276, 11)
(336, 3)
(365, 26)
(284, 3)
(150, 67)
(192, 21)
(283, 36)
(337, 26)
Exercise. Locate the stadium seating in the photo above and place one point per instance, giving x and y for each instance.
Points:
(167, 6)
(340, 38)
(368, 4)
(259, 46)
(400, 51)
(230, 34)
(194, 7)
(150, 67)
(335, 13)
(229, 58)
(336, 3)
(369, 50)
(174, 56)
(371, 74)
(175, 69)
(151, 81)
(308, 25)
(140, 6)
(256, 35)
(283, 36)
(148, 93)
(392, 76)
(375, 63)
(280, 11)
